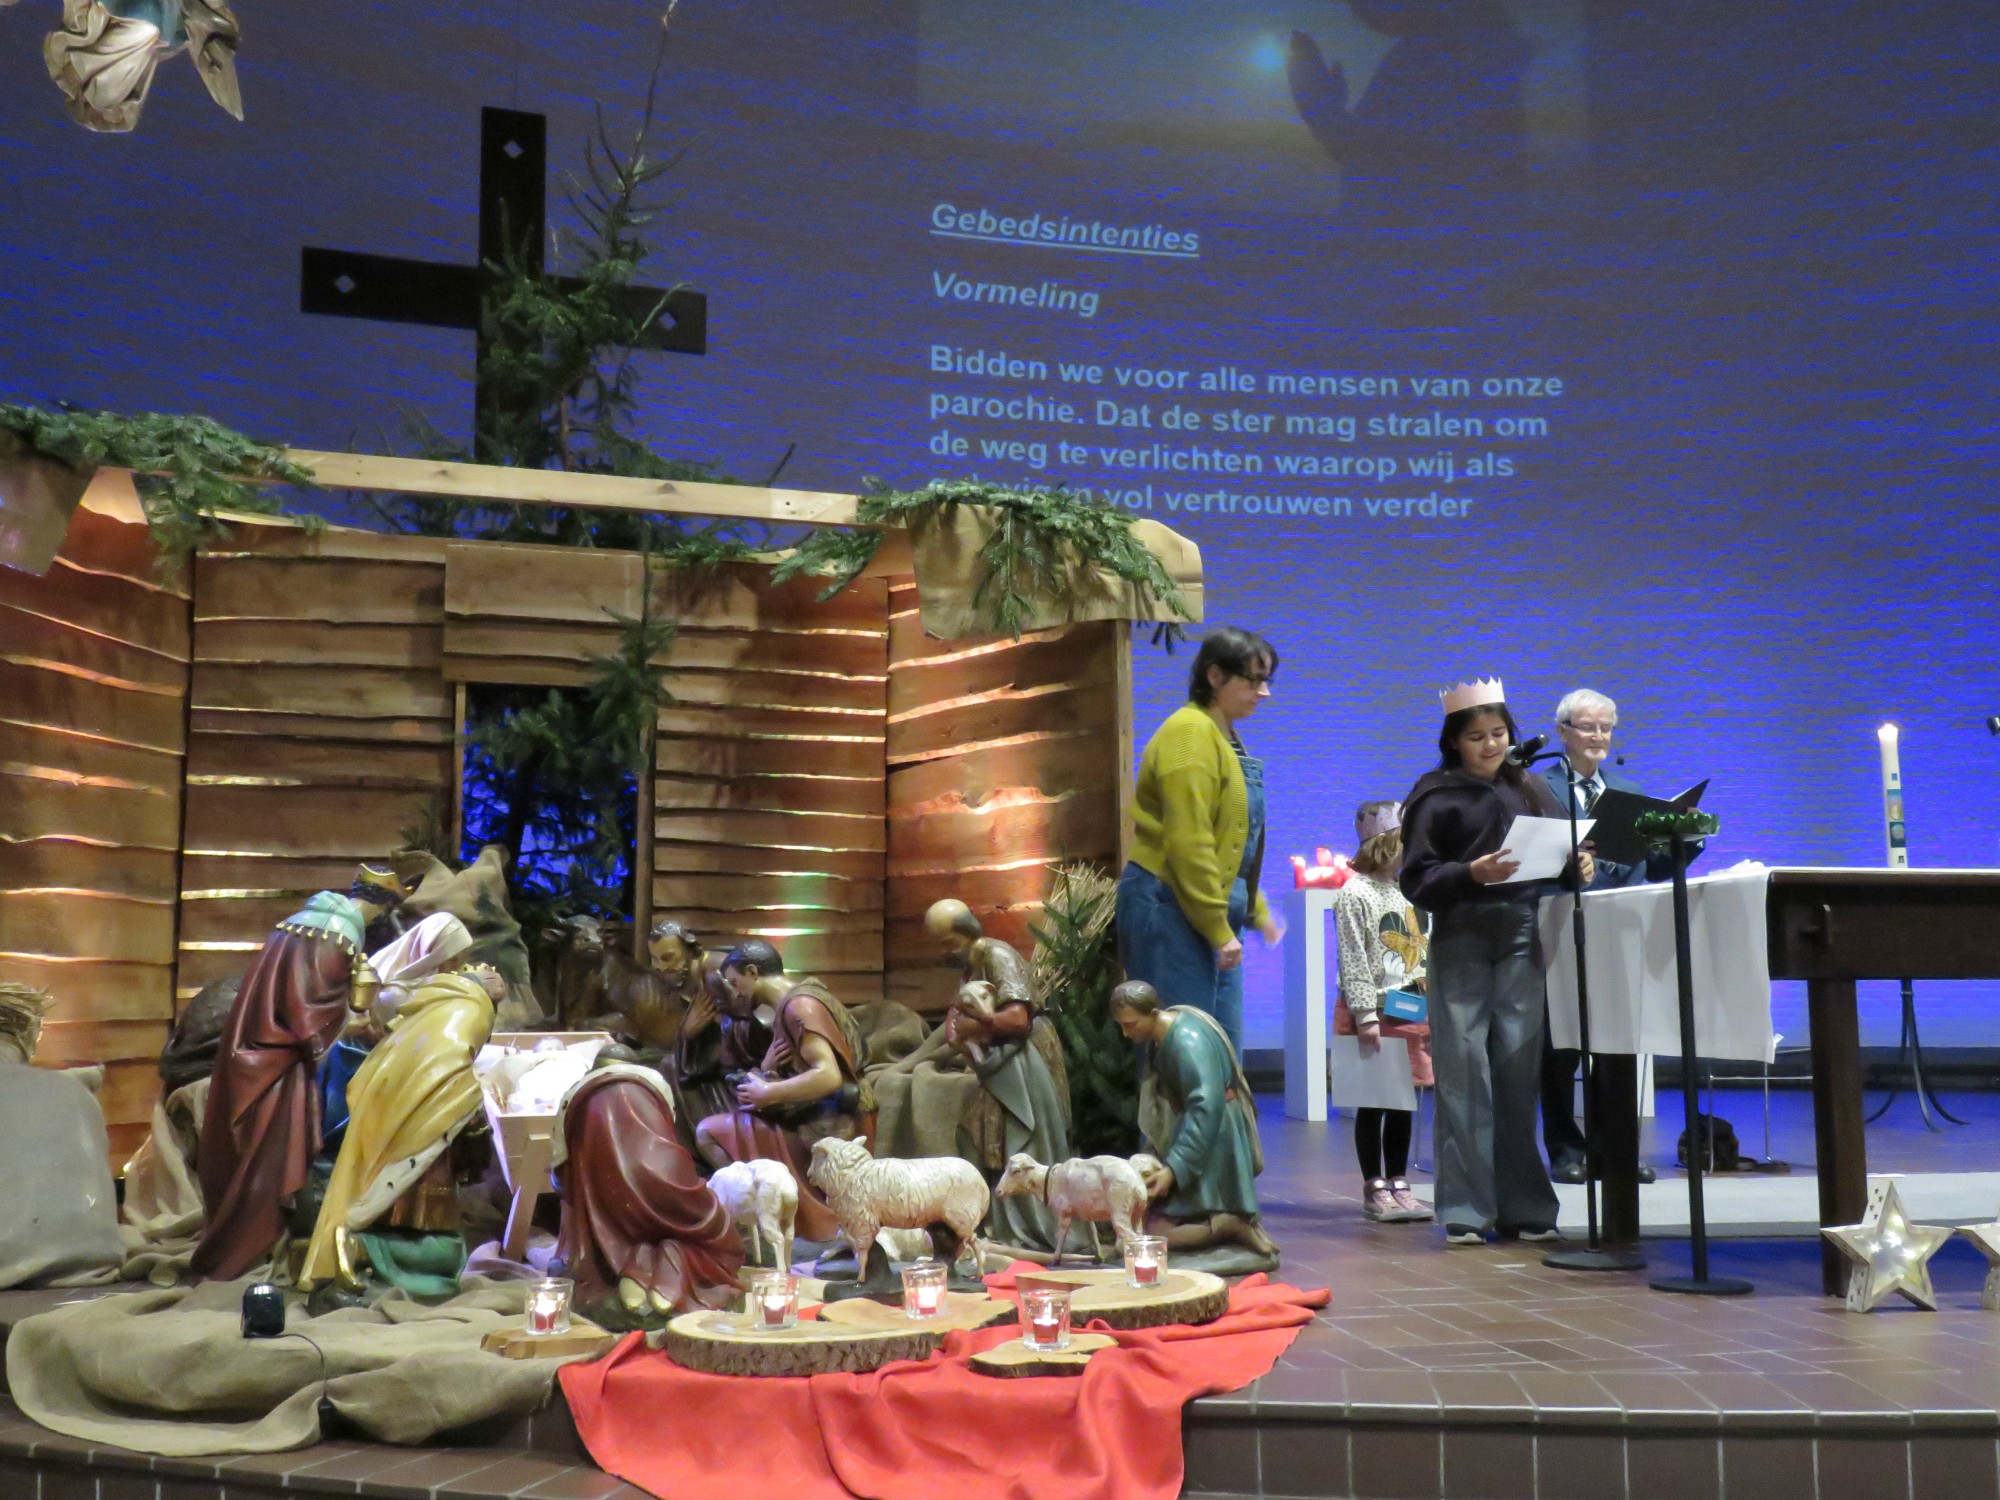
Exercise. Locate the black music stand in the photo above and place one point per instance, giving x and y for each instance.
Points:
(1700, 1284)
(1592, 1255)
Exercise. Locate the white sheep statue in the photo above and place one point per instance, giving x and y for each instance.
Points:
(1095, 1189)
(904, 1245)
(868, 1196)
(763, 1201)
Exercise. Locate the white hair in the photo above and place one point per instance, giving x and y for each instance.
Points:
(1584, 698)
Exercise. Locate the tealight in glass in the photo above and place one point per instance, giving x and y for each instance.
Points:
(923, 1289)
(1145, 1260)
(773, 1303)
(548, 1305)
(1045, 1318)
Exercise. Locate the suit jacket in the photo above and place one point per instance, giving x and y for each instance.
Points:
(1610, 874)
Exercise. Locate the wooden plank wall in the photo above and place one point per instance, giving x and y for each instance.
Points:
(93, 679)
(321, 726)
(768, 770)
(1004, 757)
(531, 615)
(767, 794)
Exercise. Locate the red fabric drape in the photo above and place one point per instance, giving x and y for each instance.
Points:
(916, 1430)
(261, 1130)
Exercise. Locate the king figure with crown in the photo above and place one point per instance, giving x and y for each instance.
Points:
(262, 1127)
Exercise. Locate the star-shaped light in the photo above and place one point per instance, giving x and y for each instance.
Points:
(1890, 1254)
(1987, 1238)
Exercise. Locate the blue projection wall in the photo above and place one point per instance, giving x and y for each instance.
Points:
(1645, 351)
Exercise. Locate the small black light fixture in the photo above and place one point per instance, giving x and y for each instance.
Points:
(263, 1311)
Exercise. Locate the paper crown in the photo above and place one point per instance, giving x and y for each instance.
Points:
(1473, 694)
(1385, 819)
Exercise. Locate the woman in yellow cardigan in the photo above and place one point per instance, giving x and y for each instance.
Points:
(1198, 838)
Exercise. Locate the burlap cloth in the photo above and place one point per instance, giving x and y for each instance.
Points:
(162, 1215)
(170, 1372)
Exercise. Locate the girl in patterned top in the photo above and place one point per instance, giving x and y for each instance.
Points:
(1381, 948)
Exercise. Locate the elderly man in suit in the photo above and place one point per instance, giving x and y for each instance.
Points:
(1586, 720)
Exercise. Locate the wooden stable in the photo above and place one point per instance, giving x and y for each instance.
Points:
(187, 759)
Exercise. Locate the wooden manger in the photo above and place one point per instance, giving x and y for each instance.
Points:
(186, 759)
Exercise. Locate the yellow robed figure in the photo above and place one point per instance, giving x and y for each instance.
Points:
(406, 1103)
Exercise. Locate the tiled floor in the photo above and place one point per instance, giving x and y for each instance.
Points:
(1481, 1372)
(1433, 1373)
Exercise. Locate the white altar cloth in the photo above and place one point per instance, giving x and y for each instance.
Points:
(1634, 995)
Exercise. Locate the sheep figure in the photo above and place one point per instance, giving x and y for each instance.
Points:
(904, 1244)
(1095, 1189)
(869, 1195)
(763, 1201)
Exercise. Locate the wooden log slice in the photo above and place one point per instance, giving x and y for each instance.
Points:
(1180, 1297)
(848, 1337)
(1014, 1360)
(584, 1338)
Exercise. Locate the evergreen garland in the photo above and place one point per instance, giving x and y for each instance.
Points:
(1688, 822)
(1076, 967)
(188, 469)
(1038, 537)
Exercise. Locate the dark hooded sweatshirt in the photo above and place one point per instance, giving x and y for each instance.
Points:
(1451, 818)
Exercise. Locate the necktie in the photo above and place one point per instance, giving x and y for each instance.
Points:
(1588, 790)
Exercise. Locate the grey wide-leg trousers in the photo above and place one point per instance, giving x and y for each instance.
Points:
(1486, 1046)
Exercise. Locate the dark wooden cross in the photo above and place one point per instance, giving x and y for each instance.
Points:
(513, 222)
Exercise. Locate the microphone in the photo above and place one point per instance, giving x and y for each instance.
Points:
(1527, 750)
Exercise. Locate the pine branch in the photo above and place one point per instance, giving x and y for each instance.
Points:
(1040, 539)
(189, 470)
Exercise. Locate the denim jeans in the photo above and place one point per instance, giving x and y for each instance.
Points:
(1486, 1045)
(1158, 944)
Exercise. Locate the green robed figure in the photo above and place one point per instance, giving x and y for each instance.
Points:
(1199, 1117)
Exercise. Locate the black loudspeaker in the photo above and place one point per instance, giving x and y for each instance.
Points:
(1722, 1155)
(263, 1311)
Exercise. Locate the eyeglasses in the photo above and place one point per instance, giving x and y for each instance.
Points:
(1590, 731)
(1254, 679)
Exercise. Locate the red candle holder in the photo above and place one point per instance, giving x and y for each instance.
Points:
(924, 1290)
(1145, 1260)
(773, 1301)
(1045, 1318)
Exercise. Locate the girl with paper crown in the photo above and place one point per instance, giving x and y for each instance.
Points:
(1485, 968)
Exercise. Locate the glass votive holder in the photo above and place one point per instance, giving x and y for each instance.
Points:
(1145, 1260)
(774, 1301)
(1045, 1318)
(548, 1305)
(923, 1289)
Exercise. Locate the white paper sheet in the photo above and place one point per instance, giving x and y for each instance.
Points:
(1378, 1082)
(1542, 846)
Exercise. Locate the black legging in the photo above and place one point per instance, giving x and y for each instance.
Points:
(1382, 1140)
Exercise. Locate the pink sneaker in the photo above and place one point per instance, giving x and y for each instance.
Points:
(1413, 1207)
(1379, 1204)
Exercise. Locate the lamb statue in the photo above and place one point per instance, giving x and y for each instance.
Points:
(1095, 1189)
(763, 1200)
(868, 1196)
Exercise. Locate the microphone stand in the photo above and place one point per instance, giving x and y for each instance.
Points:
(1594, 1255)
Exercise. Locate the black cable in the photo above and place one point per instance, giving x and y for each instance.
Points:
(327, 1412)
